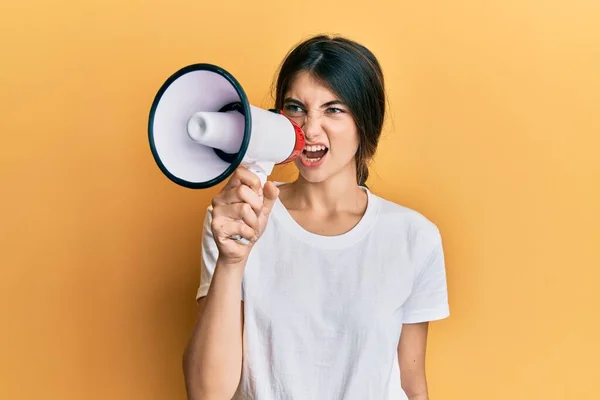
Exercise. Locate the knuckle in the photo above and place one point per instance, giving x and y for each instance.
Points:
(246, 209)
(239, 172)
(240, 191)
(216, 211)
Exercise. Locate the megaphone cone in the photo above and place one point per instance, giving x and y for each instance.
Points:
(202, 127)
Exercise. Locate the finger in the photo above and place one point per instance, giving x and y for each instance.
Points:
(237, 211)
(271, 193)
(230, 229)
(243, 176)
(239, 194)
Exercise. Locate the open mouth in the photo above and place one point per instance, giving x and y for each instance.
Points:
(314, 153)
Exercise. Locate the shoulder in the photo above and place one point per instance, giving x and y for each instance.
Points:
(401, 221)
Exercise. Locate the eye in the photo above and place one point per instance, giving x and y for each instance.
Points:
(334, 110)
(293, 109)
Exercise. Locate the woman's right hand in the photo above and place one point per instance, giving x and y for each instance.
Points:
(239, 210)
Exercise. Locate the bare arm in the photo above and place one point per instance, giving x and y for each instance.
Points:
(411, 357)
(213, 357)
(212, 360)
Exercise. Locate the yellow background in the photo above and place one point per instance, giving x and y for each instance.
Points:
(494, 134)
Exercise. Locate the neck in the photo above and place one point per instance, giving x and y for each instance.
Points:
(339, 192)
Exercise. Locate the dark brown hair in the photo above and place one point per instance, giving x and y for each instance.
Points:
(354, 74)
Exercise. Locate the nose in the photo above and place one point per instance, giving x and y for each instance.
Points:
(311, 127)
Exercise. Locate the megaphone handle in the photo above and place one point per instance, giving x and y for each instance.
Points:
(262, 175)
(263, 179)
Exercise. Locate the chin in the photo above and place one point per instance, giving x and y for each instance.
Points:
(312, 173)
(320, 170)
(313, 178)
(315, 174)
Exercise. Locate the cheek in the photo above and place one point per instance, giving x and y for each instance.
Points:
(343, 138)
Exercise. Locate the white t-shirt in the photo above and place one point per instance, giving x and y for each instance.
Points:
(323, 314)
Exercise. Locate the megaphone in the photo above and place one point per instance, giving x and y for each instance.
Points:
(202, 128)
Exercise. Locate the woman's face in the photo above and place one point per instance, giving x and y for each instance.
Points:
(331, 135)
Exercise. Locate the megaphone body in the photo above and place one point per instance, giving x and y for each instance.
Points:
(202, 128)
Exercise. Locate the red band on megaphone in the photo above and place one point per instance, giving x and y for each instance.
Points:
(300, 141)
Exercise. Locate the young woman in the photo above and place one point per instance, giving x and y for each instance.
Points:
(332, 297)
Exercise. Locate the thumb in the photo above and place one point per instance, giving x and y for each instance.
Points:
(270, 193)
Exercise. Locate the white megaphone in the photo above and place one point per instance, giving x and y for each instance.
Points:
(202, 127)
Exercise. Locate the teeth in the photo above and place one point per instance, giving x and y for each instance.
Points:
(314, 148)
(313, 159)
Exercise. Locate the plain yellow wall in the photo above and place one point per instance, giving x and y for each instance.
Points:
(494, 135)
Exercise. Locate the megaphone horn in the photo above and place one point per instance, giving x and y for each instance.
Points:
(202, 128)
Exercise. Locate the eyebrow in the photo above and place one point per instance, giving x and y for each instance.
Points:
(299, 103)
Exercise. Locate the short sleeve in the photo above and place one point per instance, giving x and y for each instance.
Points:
(428, 300)
(209, 256)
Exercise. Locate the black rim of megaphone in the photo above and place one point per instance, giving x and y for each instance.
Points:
(234, 159)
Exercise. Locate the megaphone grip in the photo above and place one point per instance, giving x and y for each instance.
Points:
(263, 179)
